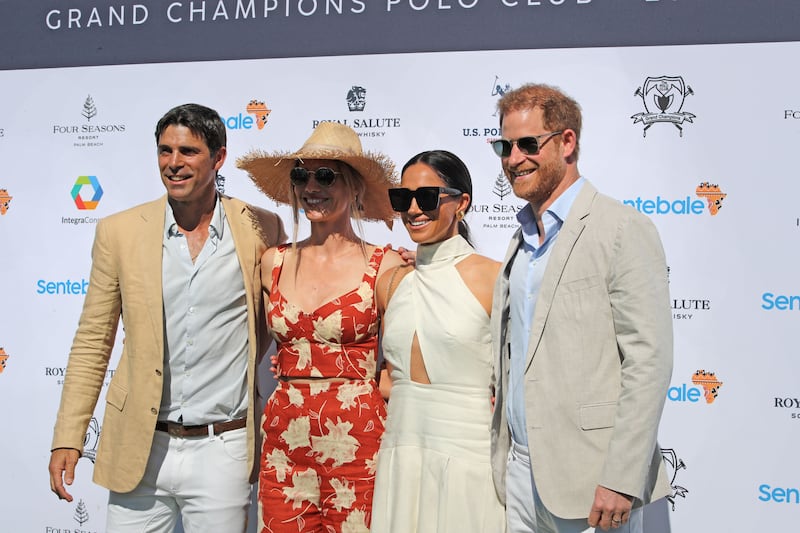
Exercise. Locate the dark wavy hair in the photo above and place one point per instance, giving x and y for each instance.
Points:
(201, 120)
(453, 172)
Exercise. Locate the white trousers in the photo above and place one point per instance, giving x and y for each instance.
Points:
(525, 511)
(201, 480)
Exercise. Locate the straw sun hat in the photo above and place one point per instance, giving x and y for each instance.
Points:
(334, 141)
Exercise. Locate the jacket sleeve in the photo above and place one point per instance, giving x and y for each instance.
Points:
(92, 345)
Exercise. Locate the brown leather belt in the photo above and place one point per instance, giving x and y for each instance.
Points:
(178, 430)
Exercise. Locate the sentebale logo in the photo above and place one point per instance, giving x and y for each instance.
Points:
(5, 200)
(79, 191)
(3, 358)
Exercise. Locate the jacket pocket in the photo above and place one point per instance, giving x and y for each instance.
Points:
(116, 396)
(598, 415)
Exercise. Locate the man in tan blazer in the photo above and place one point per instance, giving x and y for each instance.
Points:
(582, 331)
(179, 432)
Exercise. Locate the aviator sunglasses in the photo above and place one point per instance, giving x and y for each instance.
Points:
(427, 197)
(325, 176)
(527, 145)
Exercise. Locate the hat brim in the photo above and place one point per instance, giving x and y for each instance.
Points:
(270, 173)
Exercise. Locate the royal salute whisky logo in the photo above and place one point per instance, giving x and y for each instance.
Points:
(712, 195)
(87, 192)
(376, 124)
(356, 98)
(663, 98)
(5, 201)
(259, 109)
(3, 359)
(93, 131)
(674, 465)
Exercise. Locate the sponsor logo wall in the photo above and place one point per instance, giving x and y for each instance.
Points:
(711, 158)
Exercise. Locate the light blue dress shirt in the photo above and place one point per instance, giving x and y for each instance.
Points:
(206, 333)
(525, 279)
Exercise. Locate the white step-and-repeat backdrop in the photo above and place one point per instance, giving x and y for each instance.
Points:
(703, 137)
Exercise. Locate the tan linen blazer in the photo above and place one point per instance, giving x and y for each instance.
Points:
(125, 282)
(599, 360)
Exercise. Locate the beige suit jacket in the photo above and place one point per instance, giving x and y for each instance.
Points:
(599, 360)
(126, 282)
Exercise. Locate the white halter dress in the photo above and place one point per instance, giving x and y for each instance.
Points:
(434, 473)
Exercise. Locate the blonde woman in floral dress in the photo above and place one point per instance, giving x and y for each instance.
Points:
(322, 425)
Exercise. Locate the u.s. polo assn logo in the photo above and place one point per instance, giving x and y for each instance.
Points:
(663, 98)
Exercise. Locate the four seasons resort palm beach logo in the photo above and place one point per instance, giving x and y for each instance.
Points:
(663, 98)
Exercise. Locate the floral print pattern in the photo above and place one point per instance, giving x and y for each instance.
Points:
(321, 439)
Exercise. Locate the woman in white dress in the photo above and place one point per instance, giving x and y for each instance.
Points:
(434, 474)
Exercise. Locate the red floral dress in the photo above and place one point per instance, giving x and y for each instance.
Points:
(321, 439)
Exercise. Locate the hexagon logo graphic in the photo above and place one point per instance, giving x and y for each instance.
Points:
(81, 190)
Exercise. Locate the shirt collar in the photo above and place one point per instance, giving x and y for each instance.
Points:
(215, 227)
(556, 213)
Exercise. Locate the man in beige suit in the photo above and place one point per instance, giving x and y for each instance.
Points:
(179, 431)
(583, 336)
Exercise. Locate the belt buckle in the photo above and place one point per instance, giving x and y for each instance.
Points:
(174, 430)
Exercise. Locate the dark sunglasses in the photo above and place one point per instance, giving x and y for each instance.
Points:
(427, 197)
(325, 176)
(526, 145)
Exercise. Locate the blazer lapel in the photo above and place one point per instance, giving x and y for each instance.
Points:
(562, 249)
(152, 243)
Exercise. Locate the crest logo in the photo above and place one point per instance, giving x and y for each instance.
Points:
(3, 358)
(80, 183)
(5, 200)
(663, 98)
(674, 465)
(220, 183)
(709, 382)
(261, 112)
(712, 194)
(356, 98)
(91, 439)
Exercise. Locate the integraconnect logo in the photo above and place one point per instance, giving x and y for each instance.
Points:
(5, 201)
(376, 125)
(91, 133)
(711, 193)
(771, 301)
(256, 112)
(707, 386)
(663, 98)
(674, 465)
(86, 187)
(3, 358)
